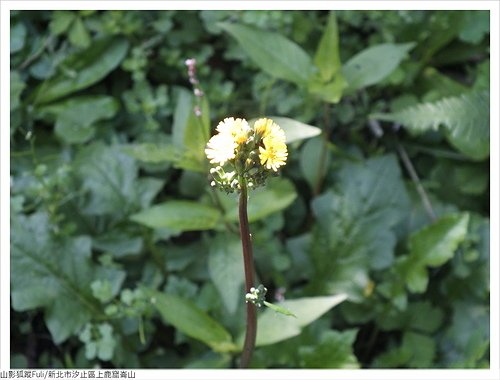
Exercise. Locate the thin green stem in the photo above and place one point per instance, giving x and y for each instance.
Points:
(251, 329)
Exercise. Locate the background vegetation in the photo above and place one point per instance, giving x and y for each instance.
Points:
(122, 255)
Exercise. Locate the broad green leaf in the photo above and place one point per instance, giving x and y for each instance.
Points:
(432, 246)
(314, 161)
(82, 69)
(466, 121)
(356, 225)
(179, 215)
(294, 129)
(277, 195)
(225, 265)
(272, 52)
(273, 327)
(279, 309)
(374, 64)
(327, 57)
(76, 122)
(334, 350)
(151, 152)
(186, 317)
(110, 177)
(60, 274)
(17, 37)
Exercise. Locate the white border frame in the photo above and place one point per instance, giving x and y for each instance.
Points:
(456, 374)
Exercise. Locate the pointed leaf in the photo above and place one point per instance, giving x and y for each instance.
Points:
(274, 327)
(179, 215)
(186, 317)
(83, 69)
(374, 64)
(327, 57)
(272, 52)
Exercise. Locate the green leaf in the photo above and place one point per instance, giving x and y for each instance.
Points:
(17, 37)
(110, 176)
(190, 133)
(476, 25)
(272, 52)
(327, 57)
(374, 64)
(273, 327)
(78, 34)
(151, 152)
(16, 88)
(60, 274)
(313, 163)
(334, 350)
(277, 195)
(432, 246)
(82, 69)
(186, 317)
(466, 121)
(294, 129)
(75, 123)
(179, 215)
(356, 225)
(225, 266)
(279, 309)
(61, 20)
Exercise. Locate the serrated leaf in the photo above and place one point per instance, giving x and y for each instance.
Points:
(466, 121)
(186, 317)
(356, 225)
(273, 327)
(225, 266)
(82, 69)
(277, 195)
(374, 64)
(60, 273)
(272, 52)
(179, 215)
(327, 57)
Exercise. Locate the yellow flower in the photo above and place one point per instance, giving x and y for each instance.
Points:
(267, 127)
(237, 128)
(220, 148)
(274, 153)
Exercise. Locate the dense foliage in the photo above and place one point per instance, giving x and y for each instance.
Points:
(122, 255)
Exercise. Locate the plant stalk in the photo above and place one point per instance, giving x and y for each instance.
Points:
(251, 329)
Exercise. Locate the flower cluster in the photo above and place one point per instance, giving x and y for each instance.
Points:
(256, 296)
(241, 152)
